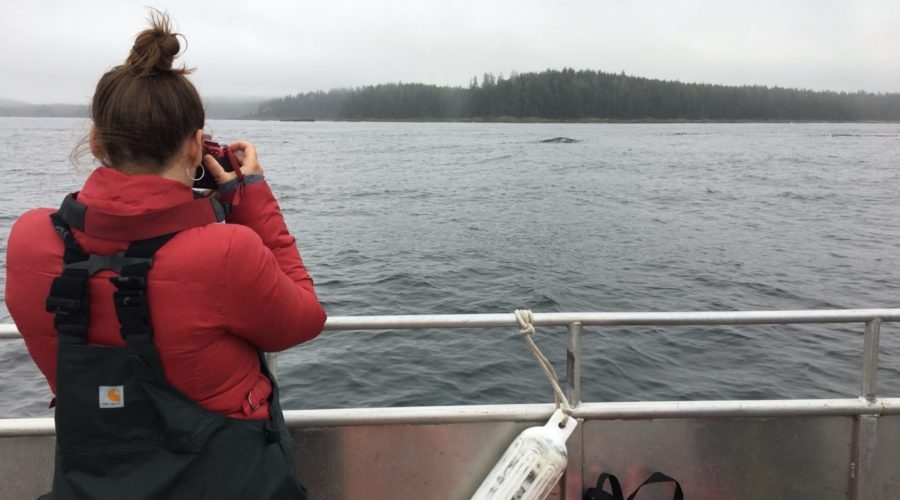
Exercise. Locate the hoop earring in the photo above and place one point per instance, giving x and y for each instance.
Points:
(202, 173)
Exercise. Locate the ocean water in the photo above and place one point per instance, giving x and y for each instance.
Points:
(420, 218)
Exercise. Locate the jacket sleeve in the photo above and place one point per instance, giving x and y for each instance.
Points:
(29, 274)
(270, 298)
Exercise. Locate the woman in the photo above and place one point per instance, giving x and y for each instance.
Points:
(150, 334)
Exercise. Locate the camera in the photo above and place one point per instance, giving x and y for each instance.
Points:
(223, 155)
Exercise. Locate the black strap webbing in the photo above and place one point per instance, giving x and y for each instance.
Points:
(599, 493)
(68, 298)
(72, 212)
(131, 299)
(659, 477)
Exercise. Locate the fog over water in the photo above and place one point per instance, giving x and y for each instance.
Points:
(413, 218)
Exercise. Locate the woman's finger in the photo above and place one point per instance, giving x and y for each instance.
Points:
(244, 146)
(249, 161)
(214, 169)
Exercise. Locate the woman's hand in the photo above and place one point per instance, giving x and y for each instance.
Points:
(246, 156)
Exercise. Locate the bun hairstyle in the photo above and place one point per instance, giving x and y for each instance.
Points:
(156, 48)
(144, 110)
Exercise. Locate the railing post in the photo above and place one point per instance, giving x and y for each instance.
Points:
(573, 364)
(870, 359)
(573, 481)
(865, 427)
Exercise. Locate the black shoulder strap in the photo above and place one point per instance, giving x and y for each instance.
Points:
(72, 212)
(131, 298)
(68, 298)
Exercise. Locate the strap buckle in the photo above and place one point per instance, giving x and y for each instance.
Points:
(129, 298)
(127, 284)
(62, 306)
(254, 406)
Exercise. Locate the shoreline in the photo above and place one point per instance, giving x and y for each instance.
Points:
(559, 121)
(514, 120)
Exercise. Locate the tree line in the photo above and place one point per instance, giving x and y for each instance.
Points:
(582, 95)
(216, 108)
(15, 108)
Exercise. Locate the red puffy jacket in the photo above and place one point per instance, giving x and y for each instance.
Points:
(217, 293)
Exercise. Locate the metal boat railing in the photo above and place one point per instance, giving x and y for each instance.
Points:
(574, 322)
(865, 408)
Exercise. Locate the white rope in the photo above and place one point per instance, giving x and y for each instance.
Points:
(526, 327)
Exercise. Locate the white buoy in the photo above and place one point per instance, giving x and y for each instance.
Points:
(532, 464)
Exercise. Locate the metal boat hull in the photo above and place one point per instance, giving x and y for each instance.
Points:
(794, 449)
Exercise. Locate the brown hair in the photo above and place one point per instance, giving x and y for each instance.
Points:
(144, 110)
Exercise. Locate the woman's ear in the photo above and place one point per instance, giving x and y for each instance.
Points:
(195, 149)
(96, 146)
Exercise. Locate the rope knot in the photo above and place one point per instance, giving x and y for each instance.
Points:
(526, 321)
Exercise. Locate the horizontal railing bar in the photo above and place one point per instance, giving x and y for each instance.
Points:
(602, 411)
(738, 409)
(404, 322)
(9, 331)
(613, 319)
(435, 415)
(13, 427)
(418, 415)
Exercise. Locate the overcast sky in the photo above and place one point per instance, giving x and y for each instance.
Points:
(55, 51)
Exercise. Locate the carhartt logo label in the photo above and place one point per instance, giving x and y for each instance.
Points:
(112, 396)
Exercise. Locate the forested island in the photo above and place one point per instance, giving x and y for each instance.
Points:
(551, 95)
(585, 95)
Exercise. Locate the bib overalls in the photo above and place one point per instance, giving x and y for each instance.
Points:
(124, 432)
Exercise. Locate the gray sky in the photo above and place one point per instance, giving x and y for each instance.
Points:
(55, 51)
